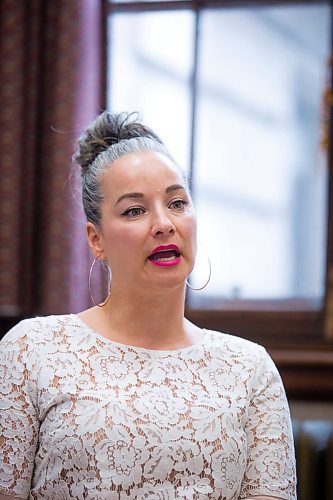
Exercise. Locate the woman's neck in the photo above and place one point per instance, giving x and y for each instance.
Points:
(153, 320)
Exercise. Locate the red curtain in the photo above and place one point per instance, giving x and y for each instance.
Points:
(50, 89)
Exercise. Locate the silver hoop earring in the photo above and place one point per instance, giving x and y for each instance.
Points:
(209, 275)
(89, 285)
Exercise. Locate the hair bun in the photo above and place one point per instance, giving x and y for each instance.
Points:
(106, 130)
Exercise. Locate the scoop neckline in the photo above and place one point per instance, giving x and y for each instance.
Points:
(81, 323)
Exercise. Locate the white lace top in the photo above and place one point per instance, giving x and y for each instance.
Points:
(86, 417)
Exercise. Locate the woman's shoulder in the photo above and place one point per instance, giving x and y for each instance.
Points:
(234, 350)
(239, 355)
(234, 344)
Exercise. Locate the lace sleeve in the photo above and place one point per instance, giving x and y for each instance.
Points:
(271, 462)
(18, 412)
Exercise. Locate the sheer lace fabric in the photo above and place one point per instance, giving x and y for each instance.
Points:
(85, 417)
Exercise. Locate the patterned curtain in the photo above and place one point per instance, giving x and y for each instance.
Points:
(51, 88)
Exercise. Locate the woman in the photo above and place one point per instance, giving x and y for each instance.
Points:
(129, 399)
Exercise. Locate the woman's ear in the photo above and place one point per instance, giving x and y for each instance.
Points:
(94, 238)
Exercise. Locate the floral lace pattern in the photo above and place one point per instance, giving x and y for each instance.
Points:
(85, 417)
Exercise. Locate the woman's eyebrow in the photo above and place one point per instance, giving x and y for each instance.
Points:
(129, 195)
(136, 195)
(174, 187)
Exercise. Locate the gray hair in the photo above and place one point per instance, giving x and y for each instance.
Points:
(92, 194)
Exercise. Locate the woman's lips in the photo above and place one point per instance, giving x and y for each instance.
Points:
(165, 256)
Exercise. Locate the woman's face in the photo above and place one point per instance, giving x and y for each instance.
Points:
(148, 225)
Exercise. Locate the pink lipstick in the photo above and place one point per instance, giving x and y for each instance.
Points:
(165, 256)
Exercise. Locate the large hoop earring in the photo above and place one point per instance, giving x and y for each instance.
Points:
(209, 275)
(89, 285)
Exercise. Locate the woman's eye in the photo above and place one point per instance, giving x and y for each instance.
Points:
(133, 212)
(178, 204)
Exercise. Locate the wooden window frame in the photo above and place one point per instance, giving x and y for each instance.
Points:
(297, 333)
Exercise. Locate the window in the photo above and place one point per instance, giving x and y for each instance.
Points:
(236, 93)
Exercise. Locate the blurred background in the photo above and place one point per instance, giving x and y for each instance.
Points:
(240, 91)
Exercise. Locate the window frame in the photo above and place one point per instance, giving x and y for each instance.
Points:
(297, 333)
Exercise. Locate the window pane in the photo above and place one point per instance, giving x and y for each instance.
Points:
(260, 175)
(150, 65)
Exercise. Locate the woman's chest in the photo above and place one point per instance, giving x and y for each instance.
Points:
(198, 399)
(144, 422)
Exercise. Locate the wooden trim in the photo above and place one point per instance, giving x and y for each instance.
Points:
(307, 374)
(271, 328)
(304, 358)
(328, 318)
(146, 6)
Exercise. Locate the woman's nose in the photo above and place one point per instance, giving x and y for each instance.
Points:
(162, 225)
